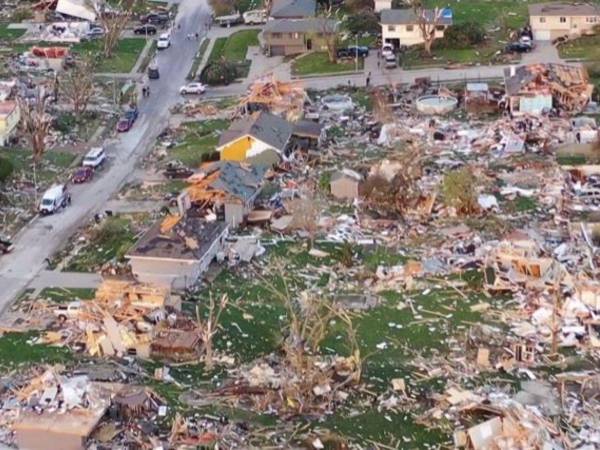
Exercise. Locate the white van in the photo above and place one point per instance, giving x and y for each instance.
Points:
(387, 50)
(94, 158)
(54, 198)
(255, 16)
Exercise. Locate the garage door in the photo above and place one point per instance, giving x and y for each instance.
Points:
(542, 35)
(277, 50)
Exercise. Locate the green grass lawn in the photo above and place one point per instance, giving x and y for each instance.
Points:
(62, 295)
(17, 352)
(198, 59)
(585, 47)
(52, 165)
(111, 240)
(9, 34)
(236, 46)
(124, 56)
(415, 56)
(199, 141)
(217, 51)
(318, 63)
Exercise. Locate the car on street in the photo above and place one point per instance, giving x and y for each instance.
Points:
(164, 41)
(94, 158)
(82, 175)
(390, 62)
(54, 198)
(192, 88)
(518, 47)
(153, 73)
(127, 120)
(6, 245)
(145, 29)
(255, 17)
(155, 19)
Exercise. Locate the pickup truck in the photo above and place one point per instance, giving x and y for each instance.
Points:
(68, 311)
(231, 19)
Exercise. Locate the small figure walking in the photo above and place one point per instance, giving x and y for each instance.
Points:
(197, 36)
(368, 80)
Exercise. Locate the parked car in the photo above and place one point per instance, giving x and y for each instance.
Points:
(153, 73)
(145, 29)
(6, 245)
(155, 18)
(164, 41)
(175, 171)
(94, 33)
(82, 175)
(518, 47)
(192, 88)
(94, 158)
(67, 311)
(361, 51)
(231, 19)
(127, 120)
(54, 198)
(391, 62)
(255, 17)
(387, 49)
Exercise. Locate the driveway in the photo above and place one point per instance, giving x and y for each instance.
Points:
(45, 235)
(543, 52)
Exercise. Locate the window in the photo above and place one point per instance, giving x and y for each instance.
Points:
(410, 27)
(296, 35)
(591, 19)
(276, 35)
(563, 20)
(391, 28)
(542, 20)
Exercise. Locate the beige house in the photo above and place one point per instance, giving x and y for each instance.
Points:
(552, 20)
(345, 184)
(399, 27)
(283, 37)
(380, 5)
(9, 120)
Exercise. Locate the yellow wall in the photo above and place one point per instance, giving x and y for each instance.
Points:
(236, 150)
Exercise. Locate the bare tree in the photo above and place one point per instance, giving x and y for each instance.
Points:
(305, 212)
(427, 20)
(210, 326)
(35, 125)
(113, 22)
(329, 31)
(77, 85)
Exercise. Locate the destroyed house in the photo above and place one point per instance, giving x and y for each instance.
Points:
(293, 9)
(537, 88)
(345, 184)
(259, 138)
(230, 187)
(176, 344)
(176, 251)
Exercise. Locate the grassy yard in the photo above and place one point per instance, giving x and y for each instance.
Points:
(318, 63)
(415, 56)
(198, 59)
(199, 141)
(53, 163)
(124, 57)
(8, 34)
(62, 295)
(111, 240)
(237, 44)
(17, 352)
(585, 48)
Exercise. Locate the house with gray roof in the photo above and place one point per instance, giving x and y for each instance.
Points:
(283, 37)
(260, 138)
(549, 21)
(293, 9)
(400, 27)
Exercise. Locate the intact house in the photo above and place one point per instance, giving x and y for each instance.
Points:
(177, 251)
(400, 27)
(549, 21)
(9, 120)
(260, 138)
(283, 37)
(229, 187)
(293, 9)
(345, 184)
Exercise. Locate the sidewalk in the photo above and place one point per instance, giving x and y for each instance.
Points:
(54, 278)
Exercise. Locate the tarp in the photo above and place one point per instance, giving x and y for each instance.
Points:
(76, 8)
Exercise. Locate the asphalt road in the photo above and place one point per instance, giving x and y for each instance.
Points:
(45, 235)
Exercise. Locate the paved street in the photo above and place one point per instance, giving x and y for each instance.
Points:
(45, 235)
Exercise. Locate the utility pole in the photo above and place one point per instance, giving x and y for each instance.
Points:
(356, 53)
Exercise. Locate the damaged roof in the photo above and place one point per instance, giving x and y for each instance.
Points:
(293, 8)
(236, 179)
(264, 126)
(189, 239)
(407, 16)
(533, 75)
(563, 9)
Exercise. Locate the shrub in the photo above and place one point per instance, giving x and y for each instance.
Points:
(459, 191)
(22, 14)
(219, 73)
(6, 168)
(462, 35)
(364, 22)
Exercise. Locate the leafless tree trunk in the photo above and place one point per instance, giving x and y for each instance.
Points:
(305, 212)
(35, 125)
(113, 22)
(427, 21)
(210, 326)
(77, 85)
(329, 31)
